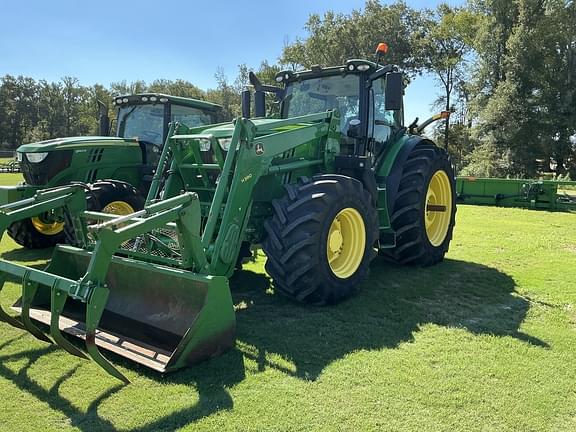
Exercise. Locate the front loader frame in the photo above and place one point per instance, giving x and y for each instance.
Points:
(207, 253)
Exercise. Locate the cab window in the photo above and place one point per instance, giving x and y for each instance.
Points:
(191, 117)
(382, 121)
(321, 94)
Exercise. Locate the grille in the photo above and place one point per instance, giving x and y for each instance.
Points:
(39, 174)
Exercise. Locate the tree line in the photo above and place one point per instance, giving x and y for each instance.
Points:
(506, 68)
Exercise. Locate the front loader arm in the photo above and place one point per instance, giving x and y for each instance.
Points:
(73, 197)
(253, 160)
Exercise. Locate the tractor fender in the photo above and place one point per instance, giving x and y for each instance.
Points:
(395, 175)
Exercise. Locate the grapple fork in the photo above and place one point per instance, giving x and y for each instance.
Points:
(5, 316)
(29, 290)
(160, 316)
(94, 309)
(57, 303)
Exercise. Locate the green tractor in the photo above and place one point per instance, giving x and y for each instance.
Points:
(129, 157)
(324, 189)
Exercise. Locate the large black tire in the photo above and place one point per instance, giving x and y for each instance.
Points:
(413, 245)
(25, 234)
(297, 238)
(102, 194)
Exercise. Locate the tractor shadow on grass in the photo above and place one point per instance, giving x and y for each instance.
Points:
(87, 420)
(33, 258)
(391, 306)
(24, 255)
(207, 382)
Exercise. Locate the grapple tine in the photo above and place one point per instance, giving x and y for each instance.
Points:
(4, 316)
(58, 300)
(29, 290)
(94, 310)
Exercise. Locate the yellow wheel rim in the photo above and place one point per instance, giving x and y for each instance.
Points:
(47, 228)
(346, 243)
(119, 208)
(438, 208)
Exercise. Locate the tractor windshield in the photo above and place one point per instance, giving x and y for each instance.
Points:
(147, 122)
(144, 122)
(322, 94)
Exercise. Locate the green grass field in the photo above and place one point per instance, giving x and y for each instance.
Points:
(486, 341)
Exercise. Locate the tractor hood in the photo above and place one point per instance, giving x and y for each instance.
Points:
(72, 143)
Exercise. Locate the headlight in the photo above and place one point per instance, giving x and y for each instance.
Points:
(19, 156)
(225, 143)
(204, 144)
(36, 157)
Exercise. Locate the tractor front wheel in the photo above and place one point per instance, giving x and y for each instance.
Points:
(37, 232)
(109, 196)
(425, 208)
(320, 240)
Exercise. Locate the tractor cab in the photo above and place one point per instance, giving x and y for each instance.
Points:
(367, 96)
(145, 117)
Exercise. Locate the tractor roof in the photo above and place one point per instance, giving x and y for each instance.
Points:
(354, 66)
(142, 98)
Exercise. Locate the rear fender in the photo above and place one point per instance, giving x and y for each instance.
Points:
(395, 174)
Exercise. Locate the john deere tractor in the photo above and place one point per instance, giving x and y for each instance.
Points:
(128, 157)
(322, 190)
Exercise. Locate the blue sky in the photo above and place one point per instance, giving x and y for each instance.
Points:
(105, 41)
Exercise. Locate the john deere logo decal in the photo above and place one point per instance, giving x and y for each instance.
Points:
(259, 149)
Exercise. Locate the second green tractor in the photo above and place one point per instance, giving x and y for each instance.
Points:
(324, 189)
(117, 170)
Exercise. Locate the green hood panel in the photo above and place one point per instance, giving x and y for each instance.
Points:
(72, 143)
(226, 129)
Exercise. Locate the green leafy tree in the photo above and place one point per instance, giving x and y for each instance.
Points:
(19, 101)
(447, 40)
(334, 38)
(530, 111)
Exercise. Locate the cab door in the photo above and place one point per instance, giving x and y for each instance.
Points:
(382, 122)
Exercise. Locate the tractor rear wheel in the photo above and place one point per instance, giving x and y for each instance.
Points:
(425, 208)
(37, 232)
(109, 196)
(320, 240)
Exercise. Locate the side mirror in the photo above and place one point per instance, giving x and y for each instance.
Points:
(354, 128)
(394, 90)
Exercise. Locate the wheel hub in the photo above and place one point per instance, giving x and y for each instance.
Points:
(47, 228)
(336, 240)
(119, 208)
(346, 243)
(438, 208)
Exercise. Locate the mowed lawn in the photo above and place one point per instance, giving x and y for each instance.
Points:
(485, 341)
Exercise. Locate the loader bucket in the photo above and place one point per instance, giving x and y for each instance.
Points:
(163, 318)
